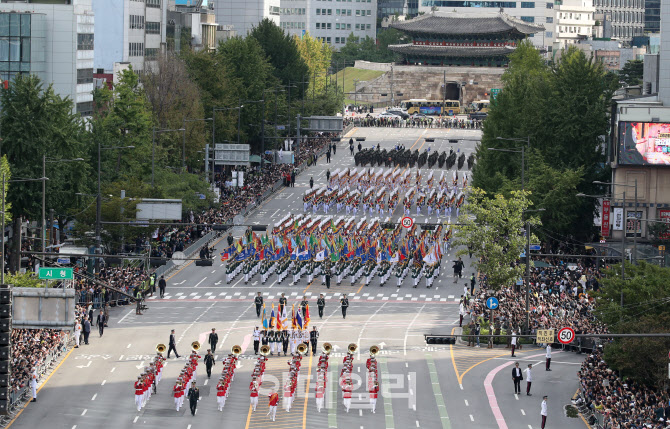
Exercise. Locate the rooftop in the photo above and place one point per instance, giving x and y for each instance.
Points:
(459, 24)
(451, 51)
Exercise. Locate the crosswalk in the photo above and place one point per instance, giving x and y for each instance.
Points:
(249, 296)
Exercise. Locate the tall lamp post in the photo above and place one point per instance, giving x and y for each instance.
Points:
(98, 201)
(153, 147)
(43, 237)
(183, 144)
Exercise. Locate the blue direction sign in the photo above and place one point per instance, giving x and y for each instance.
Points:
(63, 260)
(492, 303)
(534, 247)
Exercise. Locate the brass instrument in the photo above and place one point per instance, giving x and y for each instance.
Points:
(265, 350)
(161, 348)
(236, 350)
(352, 348)
(374, 350)
(302, 349)
(327, 348)
(195, 345)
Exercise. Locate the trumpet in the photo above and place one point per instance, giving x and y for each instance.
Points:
(195, 345)
(327, 348)
(265, 350)
(236, 350)
(161, 348)
(374, 350)
(352, 348)
(302, 349)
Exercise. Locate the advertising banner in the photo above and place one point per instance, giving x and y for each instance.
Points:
(644, 143)
(617, 218)
(605, 222)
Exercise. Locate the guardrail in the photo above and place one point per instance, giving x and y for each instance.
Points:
(189, 251)
(42, 368)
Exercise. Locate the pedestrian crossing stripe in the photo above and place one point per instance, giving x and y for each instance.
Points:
(336, 295)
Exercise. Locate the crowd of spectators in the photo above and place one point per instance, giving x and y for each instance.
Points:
(32, 348)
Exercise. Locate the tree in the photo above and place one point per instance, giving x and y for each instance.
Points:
(174, 97)
(282, 52)
(325, 97)
(493, 230)
(5, 172)
(631, 73)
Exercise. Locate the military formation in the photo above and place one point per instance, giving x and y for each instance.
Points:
(401, 157)
(146, 383)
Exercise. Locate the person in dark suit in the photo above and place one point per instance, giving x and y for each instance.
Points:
(259, 304)
(230, 239)
(172, 345)
(193, 397)
(209, 362)
(284, 340)
(320, 304)
(517, 376)
(313, 337)
(161, 286)
(344, 302)
(328, 278)
(213, 339)
(100, 322)
(87, 329)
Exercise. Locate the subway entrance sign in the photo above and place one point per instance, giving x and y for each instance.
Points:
(56, 274)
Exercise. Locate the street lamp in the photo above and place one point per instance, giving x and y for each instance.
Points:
(153, 147)
(183, 145)
(98, 202)
(44, 194)
(625, 217)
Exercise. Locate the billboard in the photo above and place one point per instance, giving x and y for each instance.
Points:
(231, 154)
(633, 224)
(605, 224)
(158, 209)
(617, 218)
(644, 143)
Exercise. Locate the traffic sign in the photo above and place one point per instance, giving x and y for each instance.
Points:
(566, 335)
(534, 247)
(492, 303)
(544, 336)
(56, 274)
(661, 248)
(407, 222)
(63, 260)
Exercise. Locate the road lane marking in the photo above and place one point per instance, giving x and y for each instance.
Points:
(472, 419)
(103, 382)
(523, 412)
(84, 412)
(198, 284)
(332, 394)
(135, 419)
(437, 392)
(466, 403)
(404, 345)
(94, 396)
(388, 405)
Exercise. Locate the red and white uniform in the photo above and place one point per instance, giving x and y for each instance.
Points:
(138, 394)
(253, 387)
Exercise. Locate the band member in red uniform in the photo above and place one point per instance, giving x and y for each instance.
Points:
(274, 398)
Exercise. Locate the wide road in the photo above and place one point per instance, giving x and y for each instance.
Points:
(437, 386)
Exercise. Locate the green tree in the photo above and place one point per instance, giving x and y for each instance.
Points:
(282, 52)
(27, 279)
(492, 229)
(631, 73)
(5, 171)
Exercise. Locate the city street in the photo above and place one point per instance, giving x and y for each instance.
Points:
(422, 386)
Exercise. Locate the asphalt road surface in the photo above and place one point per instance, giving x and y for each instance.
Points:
(423, 386)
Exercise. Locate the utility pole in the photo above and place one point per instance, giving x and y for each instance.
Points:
(44, 202)
(392, 94)
(263, 131)
(623, 248)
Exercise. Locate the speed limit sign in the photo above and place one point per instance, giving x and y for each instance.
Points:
(566, 335)
(407, 222)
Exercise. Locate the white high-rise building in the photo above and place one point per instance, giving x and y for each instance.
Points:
(244, 15)
(574, 21)
(53, 41)
(331, 21)
(130, 31)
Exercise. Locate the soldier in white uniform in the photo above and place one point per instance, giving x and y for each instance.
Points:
(33, 383)
(77, 333)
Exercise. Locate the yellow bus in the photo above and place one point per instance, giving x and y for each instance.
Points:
(432, 107)
(481, 106)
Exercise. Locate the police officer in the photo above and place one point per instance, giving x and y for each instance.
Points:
(344, 302)
(193, 397)
(259, 304)
(313, 336)
(138, 299)
(321, 303)
(209, 362)
(282, 300)
(257, 340)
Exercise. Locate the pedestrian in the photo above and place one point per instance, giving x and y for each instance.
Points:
(213, 339)
(320, 304)
(461, 314)
(33, 383)
(548, 365)
(209, 362)
(87, 329)
(172, 345)
(293, 179)
(100, 322)
(543, 411)
(513, 342)
(360, 146)
(471, 337)
(529, 379)
(344, 302)
(328, 157)
(472, 284)
(138, 300)
(77, 333)
(517, 377)
(161, 286)
(327, 176)
(458, 269)
(311, 182)
(313, 337)
(259, 304)
(477, 331)
(334, 149)
(193, 397)
(257, 339)
(274, 397)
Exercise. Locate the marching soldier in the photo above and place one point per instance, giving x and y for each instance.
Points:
(321, 303)
(285, 341)
(209, 362)
(327, 276)
(282, 300)
(257, 340)
(264, 337)
(274, 398)
(313, 336)
(259, 304)
(344, 302)
(272, 341)
(303, 306)
(253, 387)
(193, 397)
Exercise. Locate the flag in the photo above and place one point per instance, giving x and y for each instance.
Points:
(321, 256)
(283, 318)
(239, 246)
(298, 319)
(273, 319)
(306, 316)
(224, 256)
(395, 258)
(304, 255)
(334, 257)
(294, 254)
(293, 321)
(265, 320)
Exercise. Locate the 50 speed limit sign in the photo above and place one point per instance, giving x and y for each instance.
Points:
(566, 335)
(407, 222)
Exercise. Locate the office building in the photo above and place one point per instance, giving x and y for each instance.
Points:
(192, 22)
(54, 41)
(574, 21)
(625, 18)
(652, 16)
(132, 31)
(331, 21)
(244, 15)
(405, 8)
